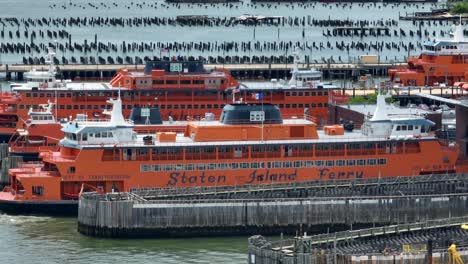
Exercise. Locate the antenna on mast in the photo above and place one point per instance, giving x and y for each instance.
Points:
(118, 92)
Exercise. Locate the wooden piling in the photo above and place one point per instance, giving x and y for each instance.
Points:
(7, 162)
(121, 215)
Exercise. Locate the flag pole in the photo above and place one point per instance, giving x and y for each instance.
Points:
(263, 119)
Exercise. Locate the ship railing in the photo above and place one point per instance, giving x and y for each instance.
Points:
(39, 173)
(447, 144)
(46, 153)
(24, 149)
(30, 164)
(7, 109)
(312, 200)
(180, 191)
(48, 148)
(25, 170)
(9, 96)
(49, 156)
(97, 121)
(48, 173)
(349, 235)
(329, 139)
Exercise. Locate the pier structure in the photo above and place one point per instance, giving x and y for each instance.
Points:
(240, 71)
(269, 209)
(418, 242)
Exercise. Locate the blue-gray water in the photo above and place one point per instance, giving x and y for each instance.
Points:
(164, 34)
(47, 240)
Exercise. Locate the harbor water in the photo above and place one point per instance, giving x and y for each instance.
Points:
(306, 26)
(47, 240)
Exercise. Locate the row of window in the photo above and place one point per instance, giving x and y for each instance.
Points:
(406, 127)
(159, 82)
(162, 93)
(84, 136)
(313, 105)
(129, 107)
(48, 95)
(289, 150)
(306, 93)
(168, 106)
(42, 117)
(261, 165)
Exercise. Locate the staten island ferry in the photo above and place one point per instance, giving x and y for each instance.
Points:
(250, 144)
(441, 62)
(180, 89)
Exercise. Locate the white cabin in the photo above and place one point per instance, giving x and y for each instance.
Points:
(395, 127)
(115, 131)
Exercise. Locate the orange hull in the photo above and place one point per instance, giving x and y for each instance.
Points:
(108, 169)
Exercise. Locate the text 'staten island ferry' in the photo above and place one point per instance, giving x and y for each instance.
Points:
(181, 90)
(250, 144)
(442, 61)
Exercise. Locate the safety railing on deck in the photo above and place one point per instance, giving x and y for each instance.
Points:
(154, 192)
(401, 228)
(27, 149)
(7, 109)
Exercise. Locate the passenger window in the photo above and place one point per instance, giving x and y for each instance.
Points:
(38, 190)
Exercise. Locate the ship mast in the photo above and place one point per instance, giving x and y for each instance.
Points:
(295, 69)
(50, 62)
(458, 32)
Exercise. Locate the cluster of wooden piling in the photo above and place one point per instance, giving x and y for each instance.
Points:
(143, 213)
(192, 21)
(42, 33)
(7, 162)
(419, 243)
(268, 3)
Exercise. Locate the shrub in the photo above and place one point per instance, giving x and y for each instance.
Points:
(460, 8)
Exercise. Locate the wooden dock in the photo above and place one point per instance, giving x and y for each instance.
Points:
(143, 214)
(70, 71)
(401, 243)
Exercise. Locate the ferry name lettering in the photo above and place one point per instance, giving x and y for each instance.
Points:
(255, 176)
(326, 174)
(108, 177)
(178, 177)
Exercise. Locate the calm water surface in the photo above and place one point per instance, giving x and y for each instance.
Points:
(32, 239)
(166, 34)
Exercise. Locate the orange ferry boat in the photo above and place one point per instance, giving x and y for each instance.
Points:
(181, 90)
(250, 144)
(442, 61)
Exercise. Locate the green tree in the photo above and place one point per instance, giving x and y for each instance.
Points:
(460, 8)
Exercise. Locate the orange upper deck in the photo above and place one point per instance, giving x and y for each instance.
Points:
(442, 61)
(173, 75)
